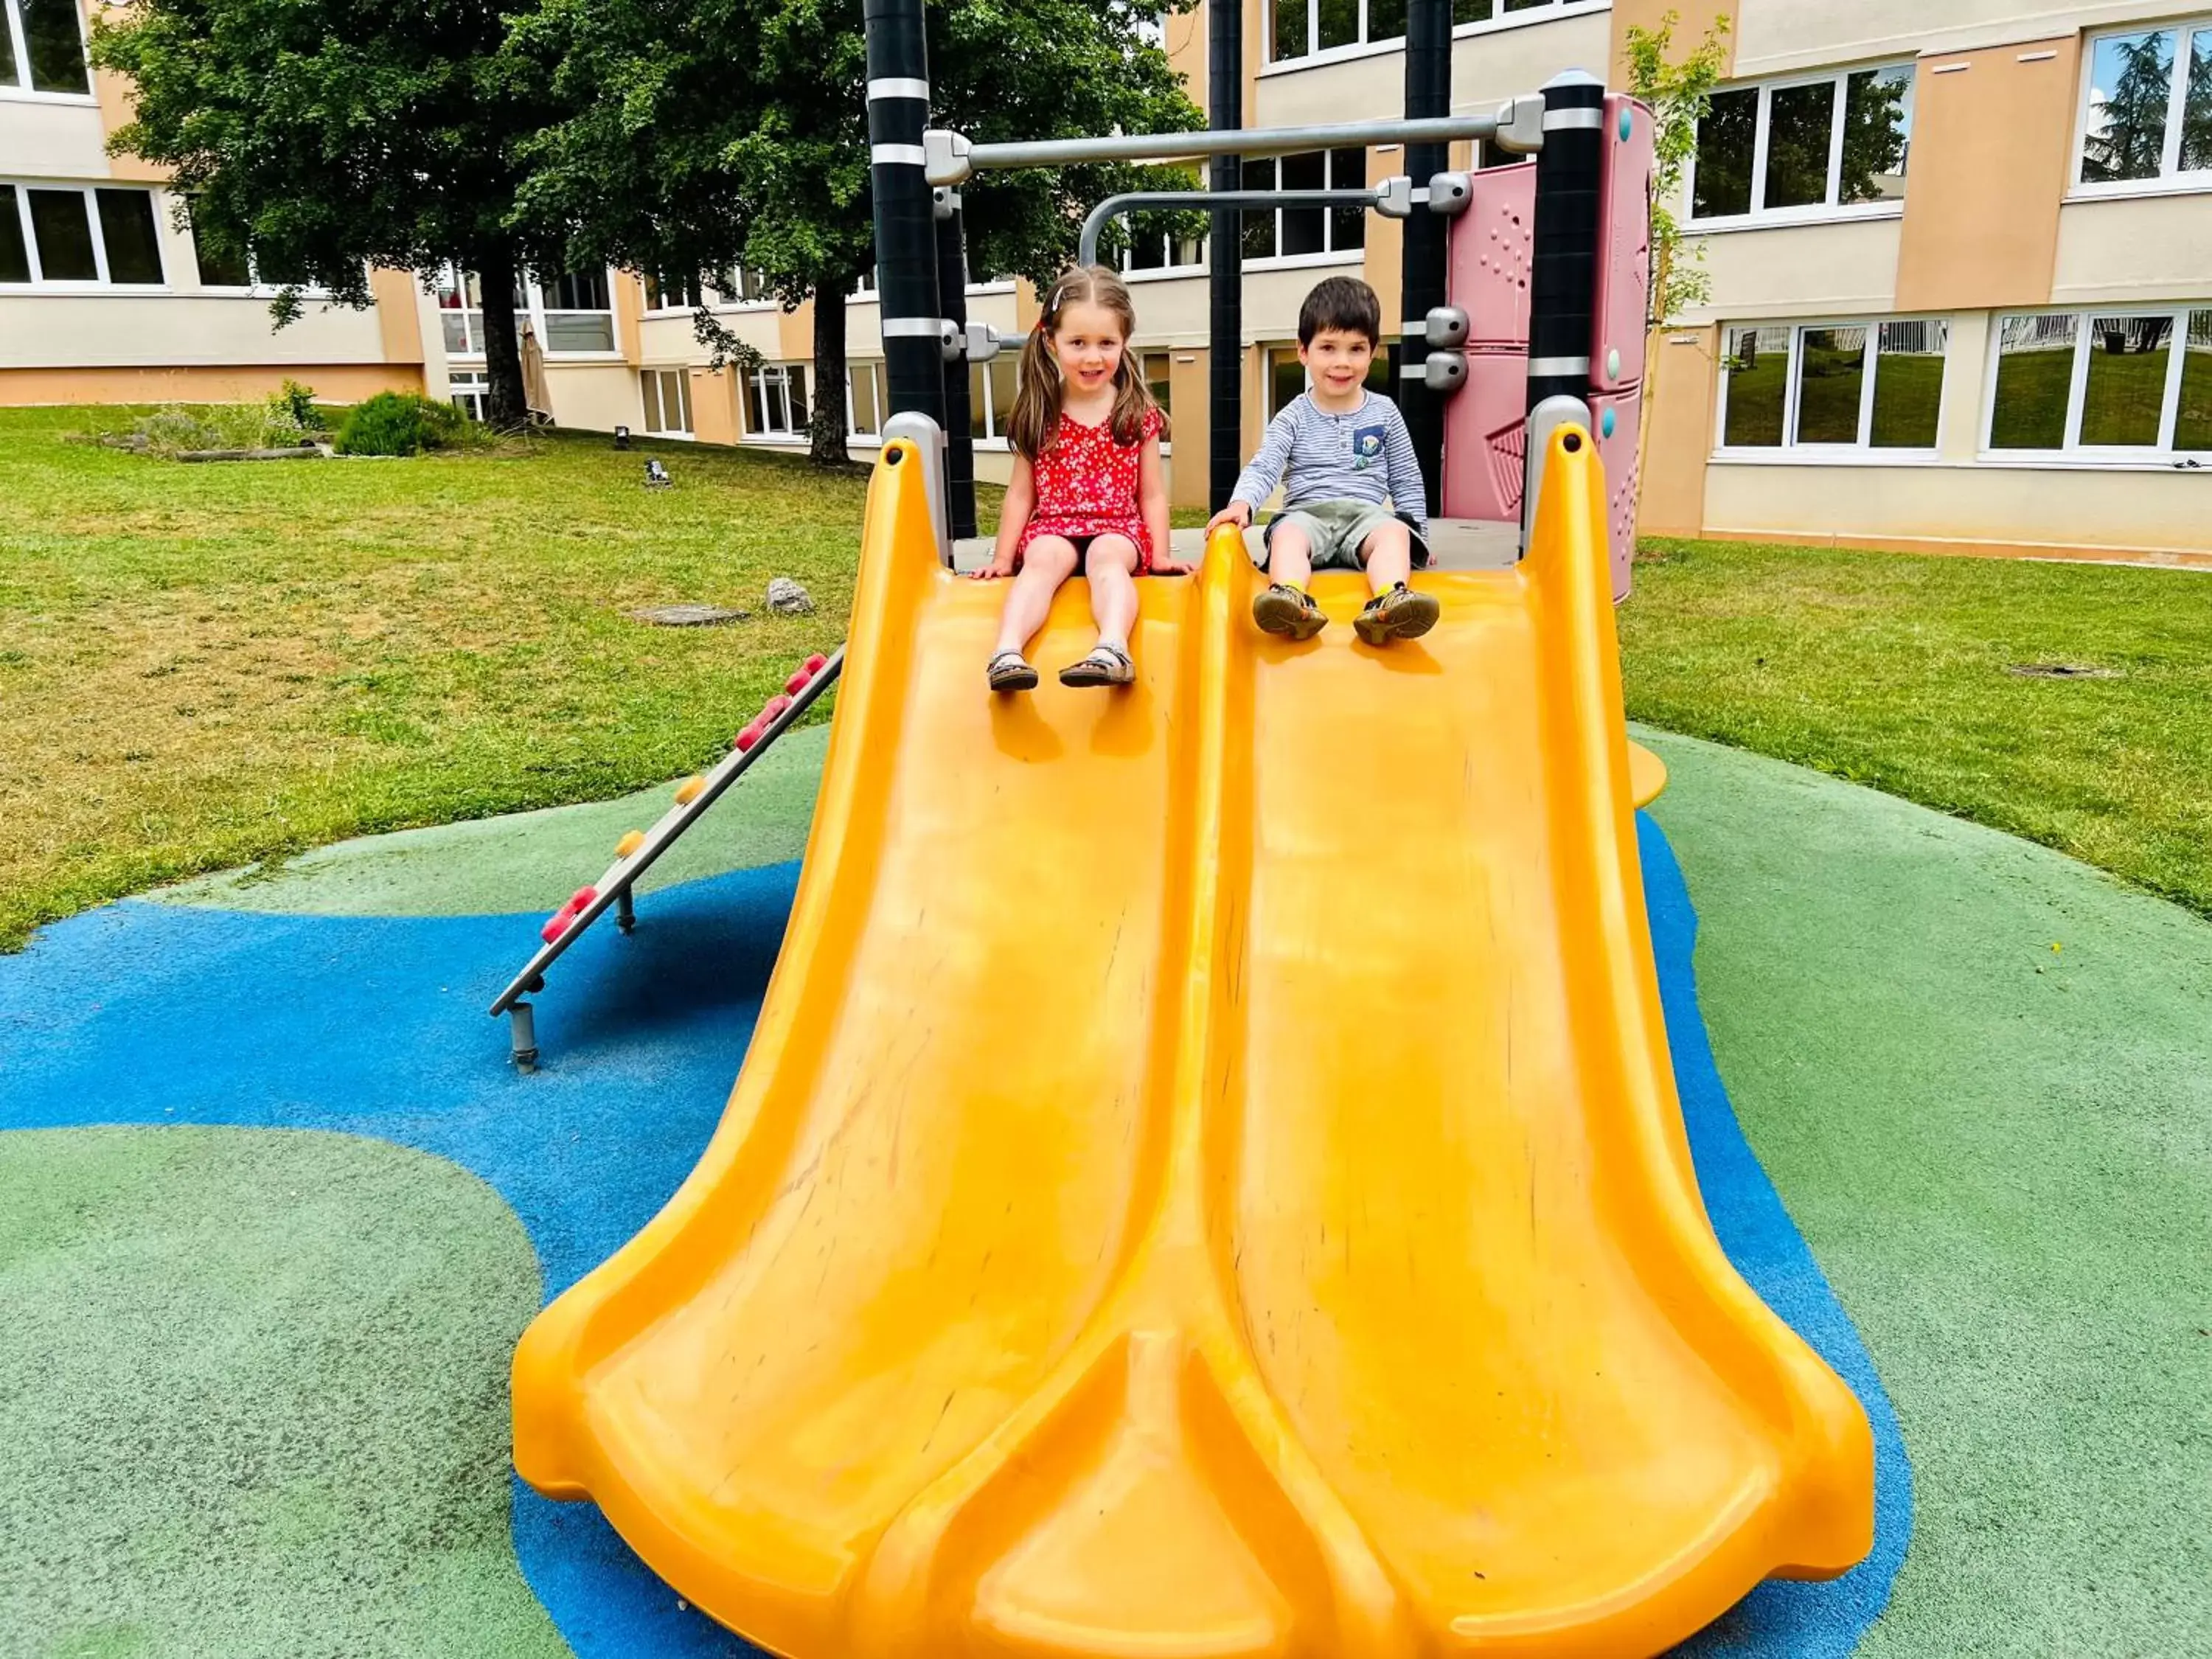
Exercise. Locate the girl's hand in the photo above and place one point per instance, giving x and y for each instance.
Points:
(1001, 565)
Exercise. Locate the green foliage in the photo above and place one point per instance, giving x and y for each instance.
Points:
(1679, 93)
(325, 137)
(399, 423)
(708, 134)
(176, 428)
(295, 405)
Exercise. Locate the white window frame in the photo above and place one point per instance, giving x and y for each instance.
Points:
(726, 301)
(11, 18)
(467, 390)
(994, 418)
(853, 427)
(776, 378)
(1499, 19)
(101, 283)
(1813, 212)
(1329, 255)
(682, 308)
(2161, 455)
(651, 396)
(1155, 273)
(1861, 450)
(534, 311)
(2170, 180)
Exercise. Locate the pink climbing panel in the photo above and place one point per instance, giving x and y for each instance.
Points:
(1487, 274)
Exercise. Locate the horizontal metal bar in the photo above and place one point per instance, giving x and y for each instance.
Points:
(1187, 146)
(1095, 223)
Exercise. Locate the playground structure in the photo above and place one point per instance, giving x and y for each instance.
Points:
(1208, 1178)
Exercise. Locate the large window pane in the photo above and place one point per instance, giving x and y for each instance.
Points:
(56, 44)
(1338, 23)
(1301, 226)
(1758, 387)
(795, 391)
(1386, 19)
(579, 331)
(220, 253)
(2126, 393)
(2196, 105)
(58, 220)
(1908, 384)
(1291, 29)
(1148, 245)
(2130, 87)
(1877, 131)
(979, 405)
(126, 225)
(1259, 223)
(1156, 370)
(14, 257)
(757, 401)
(1801, 122)
(2193, 425)
(2035, 374)
(1005, 382)
(1831, 379)
(1726, 138)
(11, 73)
(861, 405)
(1347, 226)
(583, 292)
(1286, 378)
(1472, 11)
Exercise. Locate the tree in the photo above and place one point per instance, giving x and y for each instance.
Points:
(734, 133)
(2127, 135)
(320, 138)
(1679, 94)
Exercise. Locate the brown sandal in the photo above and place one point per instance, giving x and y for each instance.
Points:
(1107, 664)
(1010, 672)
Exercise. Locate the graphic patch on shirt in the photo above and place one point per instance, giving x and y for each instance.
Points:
(1366, 447)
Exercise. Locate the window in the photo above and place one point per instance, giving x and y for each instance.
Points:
(1154, 246)
(991, 389)
(42, 47)
(2146, 106)
(1286, 376)
(568, 314)
(864, 400)
(468, 389)
(79, 234)
(1833, 385)
(1804, 148)
(667, 394)
(742, 288)
(673, 293)
(1290, 233)
(1484, 11)
(1304, 26)
(776, 401)
(2110, 383)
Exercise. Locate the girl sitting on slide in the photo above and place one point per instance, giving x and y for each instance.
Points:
(1087, 492)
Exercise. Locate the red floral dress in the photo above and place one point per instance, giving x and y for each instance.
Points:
(1086, 486)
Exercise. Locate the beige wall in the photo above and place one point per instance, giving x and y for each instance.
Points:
(51, 140)
(714, 405)
(118, 329)
(1777, 37)
(595, 397)
(1692, 19)
(1678, 435)
(1993, 139)
(1487, 67)
(112, 94)
(397, 327)
(336, 383)
(2134, 251)
(1838, 268)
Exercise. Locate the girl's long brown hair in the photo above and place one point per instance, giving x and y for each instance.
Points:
(1036, 399)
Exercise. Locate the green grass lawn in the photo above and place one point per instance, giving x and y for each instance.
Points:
(205, 666)
(1892, 670)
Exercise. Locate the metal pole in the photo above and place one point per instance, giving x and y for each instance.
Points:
(1094, 223)
(959, 437)
(1515, 125)
(1563, 269)
(1225, 108)
(906, 229)
(1428, 96)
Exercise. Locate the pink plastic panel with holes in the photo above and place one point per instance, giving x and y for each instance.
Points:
(1616, 448)
(1624, 275)
(1486, 419)
(1487, 272)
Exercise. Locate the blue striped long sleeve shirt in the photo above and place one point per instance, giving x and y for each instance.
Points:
(1366, 455)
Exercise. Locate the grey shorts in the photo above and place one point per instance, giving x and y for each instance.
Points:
(1334, 530)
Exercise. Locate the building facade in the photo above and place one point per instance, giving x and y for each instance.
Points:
(1959, 263)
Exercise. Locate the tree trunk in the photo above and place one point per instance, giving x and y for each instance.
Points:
(826, 434)
(507, 406)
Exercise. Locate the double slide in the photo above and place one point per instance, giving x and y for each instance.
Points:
(1207, 1179)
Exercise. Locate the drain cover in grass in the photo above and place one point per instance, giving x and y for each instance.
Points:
(686, 616)
(2061, 670)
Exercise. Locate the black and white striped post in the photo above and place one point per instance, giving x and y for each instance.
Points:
(1225, 74)
(1563, 269)
(1428, 95)
(906, 228)
(952, 295)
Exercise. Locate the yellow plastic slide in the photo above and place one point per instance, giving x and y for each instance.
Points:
(1207, 1179)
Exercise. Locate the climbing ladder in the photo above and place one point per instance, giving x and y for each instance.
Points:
(635, 853)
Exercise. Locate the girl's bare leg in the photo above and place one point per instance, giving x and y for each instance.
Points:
(1046, 563)
(1111, 565)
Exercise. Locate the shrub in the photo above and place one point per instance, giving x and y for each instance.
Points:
(399, 423)
(291, 408)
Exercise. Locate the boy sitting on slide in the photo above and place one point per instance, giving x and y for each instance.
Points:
(1347, 457)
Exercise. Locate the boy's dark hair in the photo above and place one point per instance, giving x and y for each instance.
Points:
(1341, 302)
